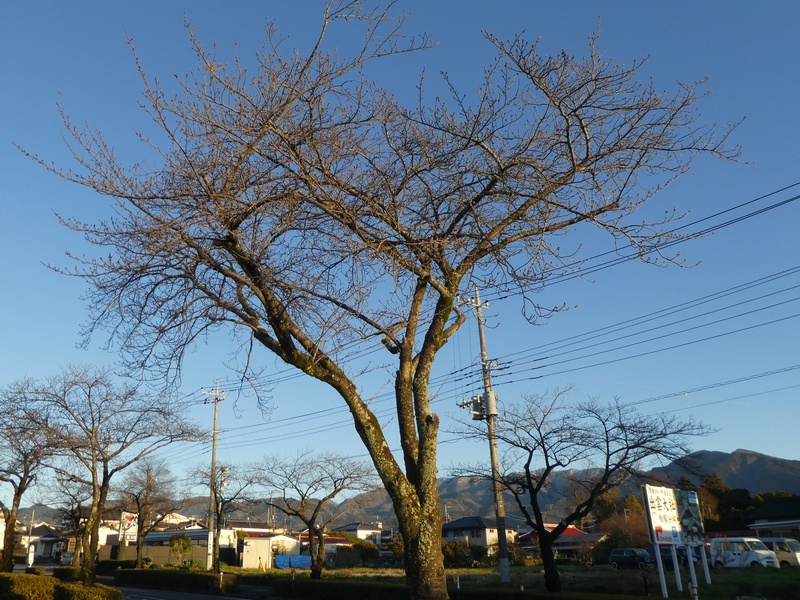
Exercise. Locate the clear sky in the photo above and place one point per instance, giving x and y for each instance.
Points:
(732, 361)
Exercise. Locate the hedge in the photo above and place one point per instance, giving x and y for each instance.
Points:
(107, 567)
(18, 586)
(67, 573)
(76, 591)
(174, 578)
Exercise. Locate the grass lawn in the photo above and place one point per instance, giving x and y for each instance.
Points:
(600, 582)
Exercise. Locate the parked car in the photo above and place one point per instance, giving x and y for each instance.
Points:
(740, 552)
(787, 550)
(630, 558)
(683, 556)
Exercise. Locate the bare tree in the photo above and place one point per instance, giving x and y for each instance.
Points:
(233, 487)
(24, 448)
(590, 448)
(73, 501)
(305, 486)
(300, 205)
(149, 490)
(99, 429)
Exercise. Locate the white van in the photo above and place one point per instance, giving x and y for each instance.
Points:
(740, 552)
(787, 550)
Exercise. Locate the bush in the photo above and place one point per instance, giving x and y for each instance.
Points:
(35, 570)
(107, 567)
(67, 573)
(16, 586)
(179, 579)
(76, 591)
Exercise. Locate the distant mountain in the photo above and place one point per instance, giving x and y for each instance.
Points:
(40, 513)
(741, 469)
(470, 496)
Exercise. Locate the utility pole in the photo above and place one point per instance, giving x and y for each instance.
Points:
(485, 407)
(216, 397)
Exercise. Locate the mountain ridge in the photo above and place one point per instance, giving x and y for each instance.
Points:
(472, 496)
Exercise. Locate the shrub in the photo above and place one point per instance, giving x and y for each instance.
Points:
(456, 554)
(107, 567)
(35, 570)
(67, 573)
(179, 579)
(76, 591)
(16, 586)
(180, 545)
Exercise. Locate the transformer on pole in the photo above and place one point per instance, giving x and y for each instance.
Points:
(484, 407)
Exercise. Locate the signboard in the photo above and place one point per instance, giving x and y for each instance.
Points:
(674, 519)
(691, 520)
(128, 526)
(662, 515)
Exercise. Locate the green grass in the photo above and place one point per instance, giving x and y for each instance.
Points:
(591, 583)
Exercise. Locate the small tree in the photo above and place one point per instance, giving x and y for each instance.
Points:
(149, 491)
(98, 429)
(306, 486)
(233, 486)
(592, 447)
(180, 545)
(24, 448)
(73, 499)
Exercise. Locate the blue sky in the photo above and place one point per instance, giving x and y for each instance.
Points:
(749, 51)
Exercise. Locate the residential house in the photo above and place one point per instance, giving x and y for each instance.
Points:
(476, 531)
(364, 531)
(568, 545)
(46, 541)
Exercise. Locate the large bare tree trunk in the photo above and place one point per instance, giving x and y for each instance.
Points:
(317, 553)
(7, 557)
(422, 553)
(552, 578)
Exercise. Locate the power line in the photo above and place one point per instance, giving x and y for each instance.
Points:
(471, 373)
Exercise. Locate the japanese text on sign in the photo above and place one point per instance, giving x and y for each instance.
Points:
(662, 509)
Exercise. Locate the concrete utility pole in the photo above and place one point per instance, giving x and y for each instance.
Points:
(216, 397)
(486, 407)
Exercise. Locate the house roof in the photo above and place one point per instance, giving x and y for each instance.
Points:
(359, 526)
(42, 531)
(159, 536)
(472, 523)
(248, 524)
(533, 534)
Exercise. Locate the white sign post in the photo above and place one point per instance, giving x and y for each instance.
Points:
(661, 507)
(674, 518)
(128, 527)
